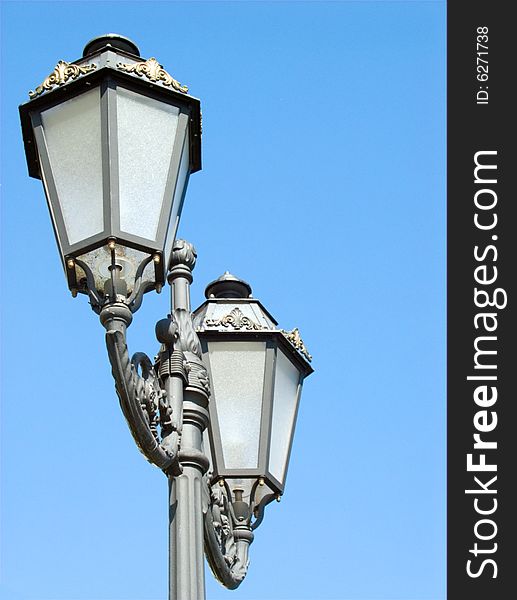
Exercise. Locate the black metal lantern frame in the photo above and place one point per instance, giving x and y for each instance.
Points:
(111, 70)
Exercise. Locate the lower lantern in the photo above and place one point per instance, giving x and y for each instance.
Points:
(257, 372)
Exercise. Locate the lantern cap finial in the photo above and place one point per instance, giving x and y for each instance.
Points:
(120, 42)
(228, 286)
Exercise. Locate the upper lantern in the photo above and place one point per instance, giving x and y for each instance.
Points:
(114, 139)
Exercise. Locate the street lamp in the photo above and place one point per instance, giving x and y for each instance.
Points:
(114, 139)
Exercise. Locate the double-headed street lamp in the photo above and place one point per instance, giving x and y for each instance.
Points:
(114, 139)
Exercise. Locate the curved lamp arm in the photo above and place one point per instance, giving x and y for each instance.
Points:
(228, 535)
(143, 402)
(228, 530)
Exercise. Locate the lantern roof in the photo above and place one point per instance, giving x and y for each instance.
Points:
(231, 309)
(118, 57)
(228, 286)
(121, 42)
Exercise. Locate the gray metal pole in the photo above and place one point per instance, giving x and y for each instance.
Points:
(186, 539)
(186, 574)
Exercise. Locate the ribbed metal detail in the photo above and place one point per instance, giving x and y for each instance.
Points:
(173, 364)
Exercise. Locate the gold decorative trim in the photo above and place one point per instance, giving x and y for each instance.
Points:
(235, 319)
(154, 71)
(60, 75)
(296, 340)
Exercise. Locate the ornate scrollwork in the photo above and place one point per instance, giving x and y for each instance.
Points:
(222, 521)
(188, 342)
(144, 404)
(149, 393)
(235, 319)
(99, 299)
(295, 339)
(227, 539)
(154, 71)
(62, 72)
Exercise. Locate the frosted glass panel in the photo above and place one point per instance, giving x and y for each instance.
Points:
(207, 450)
(238, 378)
(73, 137)
(178, 197)
(287, 378)
(146, 133)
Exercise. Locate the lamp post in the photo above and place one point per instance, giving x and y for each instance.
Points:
(114, 139)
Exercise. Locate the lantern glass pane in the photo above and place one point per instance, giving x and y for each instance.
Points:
(207, 450)
(285, 400)
(237, 370)
(179, 193)
(146, 133)
(72, 133)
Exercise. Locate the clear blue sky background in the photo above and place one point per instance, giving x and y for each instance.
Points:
(323, 185)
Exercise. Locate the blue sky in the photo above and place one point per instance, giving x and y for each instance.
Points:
(323, 185)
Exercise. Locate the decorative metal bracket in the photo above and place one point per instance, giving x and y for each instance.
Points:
(144, 403)
(153, 70)
(229, 527)
(295, 339)
(228, 535)
(98, 300)
(62, 72)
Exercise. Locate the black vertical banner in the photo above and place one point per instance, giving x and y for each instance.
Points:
(482, 345)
